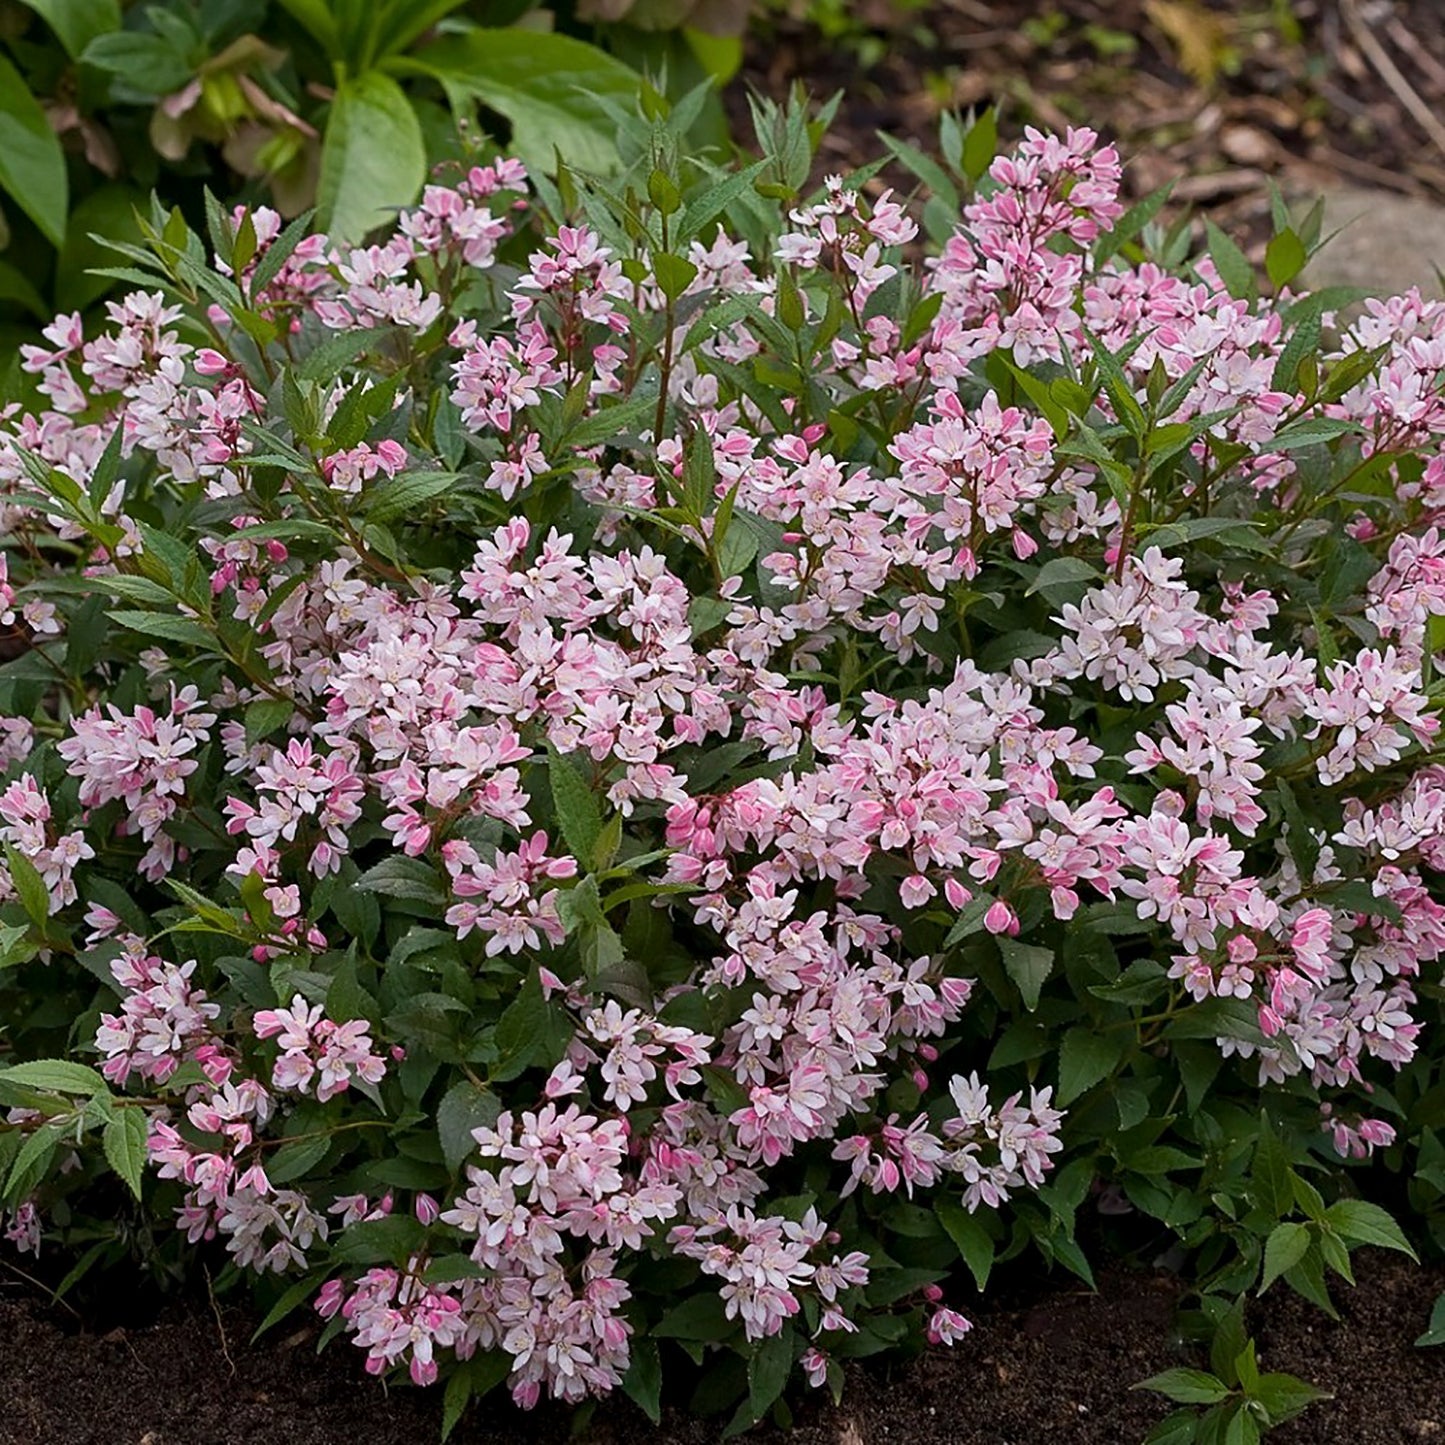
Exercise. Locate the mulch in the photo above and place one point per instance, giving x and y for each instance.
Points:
(1051, 1362)
(1220, 98)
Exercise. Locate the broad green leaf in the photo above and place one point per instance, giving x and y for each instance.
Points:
(29, 885)
(124, 1141)
(1231, 263)
(554, 90)
(521, 1030)
(1271, 1176)
(32, 164)
(642, 1384)
(1285, 1247)
(1187, 1387)
(58, 1076)
(1028, 966)
(1357, 1221)
(77, 22)
(1285, 1396)
(467, 1106)
(974, 1243)
(373, 160)
(150, 63)
(404, 494)
(1284, 258)
(380, 1241)
(768, 1371)
(1085, 1057)
(579, 814)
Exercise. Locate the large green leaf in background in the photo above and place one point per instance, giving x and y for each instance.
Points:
(553, 89)
(373, 160)
(77, 22)
(32, 165)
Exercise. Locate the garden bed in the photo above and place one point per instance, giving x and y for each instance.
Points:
(1048, 1362)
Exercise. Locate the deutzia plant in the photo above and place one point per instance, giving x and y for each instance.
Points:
(641, 768)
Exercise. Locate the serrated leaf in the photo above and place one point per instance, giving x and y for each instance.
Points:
(1086, 1057)
(1028, 966)
(1357, 1221)
(975, 1245)
(467, 1106)
(1286, 1246)
(57, 1076)
(1187, 1387)
(124, 1141)
(579, 812)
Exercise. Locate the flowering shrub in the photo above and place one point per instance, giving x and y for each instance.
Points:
(636, 772)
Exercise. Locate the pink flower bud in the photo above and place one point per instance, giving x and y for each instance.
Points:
(426, 1208)
(1000, 918)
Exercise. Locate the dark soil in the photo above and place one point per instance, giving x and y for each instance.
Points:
(1054, 1367)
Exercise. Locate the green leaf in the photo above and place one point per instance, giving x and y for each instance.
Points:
(293, 1160)
(167, 626)
(1284, 258)
(1359, 1222)
(1435, 1335)
(149, 63)
(1243, 1428)
(291, 1300)
(702, 1317)
(373, 161)
(1311, 431)
(1271, 1175)
(642, 1384)
(768, 1371)
(1285, 1247)
(77, 22)
(980, 145)
(56, 1076)
(124, 1141)
(1187, 1387)
(1285, 1396)
(1063, 572)
(974, 1243)
(557, 92)
(579, 813)
(1028, 966)
(1358, 896)
(316, 18)
(397, 496)
(1178, 1428)
(34, 895)
(32, 164)
(467, 1106)
(674, 273)
(1231, 263)
(1085, 1057)
(380, 1241)
(521, 1030)
(401, 877)
(265, 716)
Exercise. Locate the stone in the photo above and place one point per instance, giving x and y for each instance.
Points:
(1384, 243)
